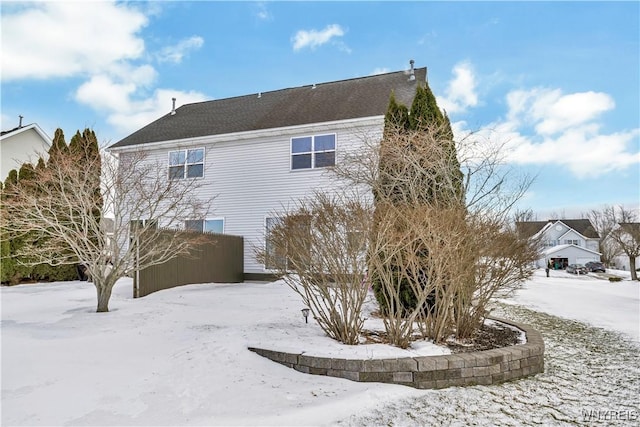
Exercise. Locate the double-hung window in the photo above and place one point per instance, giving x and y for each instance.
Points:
(186, 163)
(215, 225)
(310, 152)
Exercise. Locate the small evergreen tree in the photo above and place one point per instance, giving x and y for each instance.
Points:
(58, 147)
(85, 146)
(9, 273)
(397, 116)
(58, 151)
(423, 117)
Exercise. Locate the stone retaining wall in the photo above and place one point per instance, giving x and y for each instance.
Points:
(426, 372)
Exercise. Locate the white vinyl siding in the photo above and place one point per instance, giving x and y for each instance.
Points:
(251, 179)
(21, 147)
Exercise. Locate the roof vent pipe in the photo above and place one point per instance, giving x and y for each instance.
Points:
(412, 75)
(173, 109)
(20, 123)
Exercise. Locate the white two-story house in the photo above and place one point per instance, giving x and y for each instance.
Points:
(563, 241)
(257, 153)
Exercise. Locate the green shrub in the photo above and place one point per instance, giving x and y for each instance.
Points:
(615, 279)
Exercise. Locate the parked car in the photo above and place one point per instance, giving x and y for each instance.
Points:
(596, 267)
(577, 269)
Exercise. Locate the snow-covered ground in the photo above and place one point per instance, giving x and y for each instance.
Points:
(179, 357)
(589, 298)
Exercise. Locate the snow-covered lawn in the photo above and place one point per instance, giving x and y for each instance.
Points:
(179, 357)
(588, 298)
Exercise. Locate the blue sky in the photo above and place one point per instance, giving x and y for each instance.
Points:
(558, 83)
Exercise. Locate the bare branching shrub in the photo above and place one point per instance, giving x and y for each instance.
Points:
(319, 248)
(408, 251)
(445, 241)
(500, 262)
(57, 206)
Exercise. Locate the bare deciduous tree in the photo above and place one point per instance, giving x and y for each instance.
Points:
(604, 222)
(59, 203)
(626, 234)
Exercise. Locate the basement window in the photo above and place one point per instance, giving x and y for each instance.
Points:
(310, 152)
(186, 163)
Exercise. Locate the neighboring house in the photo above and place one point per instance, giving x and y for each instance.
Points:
(631, 237)
(21, 145)
(260, 152)
(562, 242)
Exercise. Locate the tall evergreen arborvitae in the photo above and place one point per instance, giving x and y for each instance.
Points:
(424, 116)
(58, 147)
(46, 272)
(9, 271)
(397, 116)
(85, 146)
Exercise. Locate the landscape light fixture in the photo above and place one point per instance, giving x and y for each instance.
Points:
(305, 313)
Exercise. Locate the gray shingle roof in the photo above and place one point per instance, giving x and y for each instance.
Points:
(339, 100)
(582, 226)
(527, 229)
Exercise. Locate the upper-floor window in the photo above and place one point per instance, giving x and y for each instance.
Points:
(215, 225)
(186, 163)
(572, 242)
(309, 152)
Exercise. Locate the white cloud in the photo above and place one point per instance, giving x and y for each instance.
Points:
(315, 38)
(583, 149)
(552, 112)
(546, 127)
(177, 52)
(141, 113)
(460, 93)
(120, 99)
(60, 39)
(98, 42)
(102, 93)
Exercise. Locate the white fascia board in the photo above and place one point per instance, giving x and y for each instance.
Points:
(569, 231)
(561, 247)
(33, 126)
(254, 134)
(542, 230)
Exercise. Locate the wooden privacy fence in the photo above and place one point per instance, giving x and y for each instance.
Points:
(220, 260)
